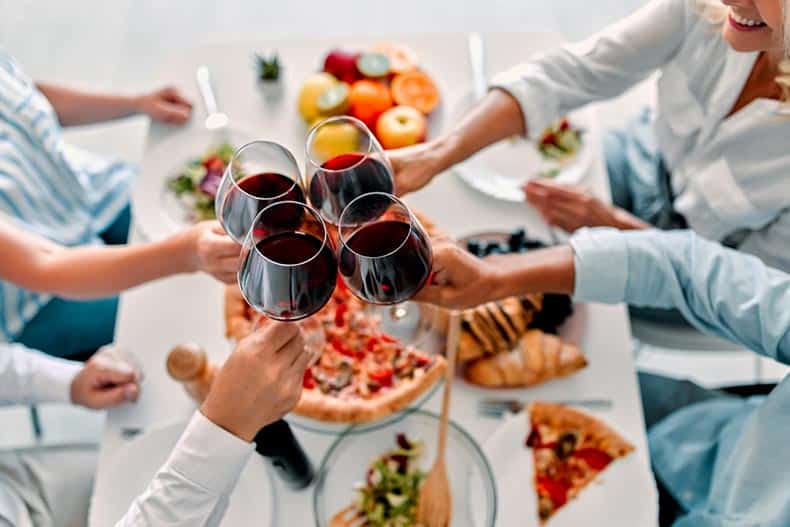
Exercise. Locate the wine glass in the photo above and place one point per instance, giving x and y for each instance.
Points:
(288, 269)
(385, 258)
(343, 160)
(259, 173)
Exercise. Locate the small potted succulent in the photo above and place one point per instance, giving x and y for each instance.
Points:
(268, 71)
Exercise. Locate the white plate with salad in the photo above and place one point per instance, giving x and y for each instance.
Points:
(179, 177)
(563, 152)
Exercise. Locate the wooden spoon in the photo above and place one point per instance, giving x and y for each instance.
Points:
(435, 505)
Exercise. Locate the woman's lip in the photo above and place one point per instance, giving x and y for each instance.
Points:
(741, 27)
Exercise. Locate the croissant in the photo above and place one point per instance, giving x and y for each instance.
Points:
(537, 358)
(495, 327)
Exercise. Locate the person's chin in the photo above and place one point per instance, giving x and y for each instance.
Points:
(739, 41)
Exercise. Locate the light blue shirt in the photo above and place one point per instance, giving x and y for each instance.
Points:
(726, 461)
(48, 186)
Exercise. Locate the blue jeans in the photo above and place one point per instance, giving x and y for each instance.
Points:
(75, 329)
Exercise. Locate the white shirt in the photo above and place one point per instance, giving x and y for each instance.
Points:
(192, 487)
(730, 174)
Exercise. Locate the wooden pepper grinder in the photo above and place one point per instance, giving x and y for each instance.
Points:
(189, 364)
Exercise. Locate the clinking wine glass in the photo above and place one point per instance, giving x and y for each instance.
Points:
(343, 160)
(385, 258)
(288, 268)
(288, 272)
(260, 173)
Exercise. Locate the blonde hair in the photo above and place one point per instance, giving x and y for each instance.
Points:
(714, 12)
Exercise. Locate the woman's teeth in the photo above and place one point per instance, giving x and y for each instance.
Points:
(746, 21)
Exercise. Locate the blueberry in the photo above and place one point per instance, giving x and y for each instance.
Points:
(516, 239)
(491, 247)
(474, 247)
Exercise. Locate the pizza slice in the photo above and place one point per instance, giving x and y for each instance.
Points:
(570, 449)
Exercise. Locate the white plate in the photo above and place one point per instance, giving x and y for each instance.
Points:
(615, 498)
(251, 502)
(502, 169)
(157, 212)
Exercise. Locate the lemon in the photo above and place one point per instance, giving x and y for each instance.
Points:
(334, 139)
(313, 87)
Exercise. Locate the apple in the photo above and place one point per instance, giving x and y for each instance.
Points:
(342, 63)
(311, 90)
(401, 126)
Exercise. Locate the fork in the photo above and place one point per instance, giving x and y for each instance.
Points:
(499, 407)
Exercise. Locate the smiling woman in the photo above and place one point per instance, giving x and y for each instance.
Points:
(709, 155)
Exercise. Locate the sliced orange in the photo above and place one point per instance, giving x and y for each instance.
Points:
(415, 89)
(402, 58)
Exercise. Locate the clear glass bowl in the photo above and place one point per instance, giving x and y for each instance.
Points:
(471, 478)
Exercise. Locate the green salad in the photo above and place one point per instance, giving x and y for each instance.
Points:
(197, 183)
(388, 497)
(560, 142)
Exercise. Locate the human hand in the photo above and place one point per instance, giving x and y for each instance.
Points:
(166, 105)
(569, 207)
(415, 166)
(460, 280)
(210, 250)
(105, 381)
(260, 382)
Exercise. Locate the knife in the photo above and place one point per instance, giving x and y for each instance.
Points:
(477, 60)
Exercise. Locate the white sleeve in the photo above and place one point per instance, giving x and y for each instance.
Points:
(192, 488)
(28, 376)
(554, 83)
(771, 244)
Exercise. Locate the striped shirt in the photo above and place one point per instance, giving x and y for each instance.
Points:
(48, 187)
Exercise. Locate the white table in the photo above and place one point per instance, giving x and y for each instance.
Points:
(157, 316)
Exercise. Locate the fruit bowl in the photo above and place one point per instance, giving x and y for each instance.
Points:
(468, 470)
(382, 86)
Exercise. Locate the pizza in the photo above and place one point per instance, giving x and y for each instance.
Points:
(570, 449)
(362, 374)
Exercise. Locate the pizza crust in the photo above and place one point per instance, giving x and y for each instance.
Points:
(315, 405)
(561, 417)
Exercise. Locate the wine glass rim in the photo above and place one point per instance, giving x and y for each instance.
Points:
(311, 210)
(371, 141)
(235, 182)
(396, 200)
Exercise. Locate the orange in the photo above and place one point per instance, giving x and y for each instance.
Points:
(415, 89)
(369, 99)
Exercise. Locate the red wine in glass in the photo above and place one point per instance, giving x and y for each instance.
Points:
(335, 178)
(343, 178)
(259, 174)
(253, 194)
(385, 258)
(288, 268)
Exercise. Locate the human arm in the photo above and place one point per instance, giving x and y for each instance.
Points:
(28, 376)
(259, 383)
(718, 290)
(771, 243)
(528, 98)
(37, 264)
(75, 107)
